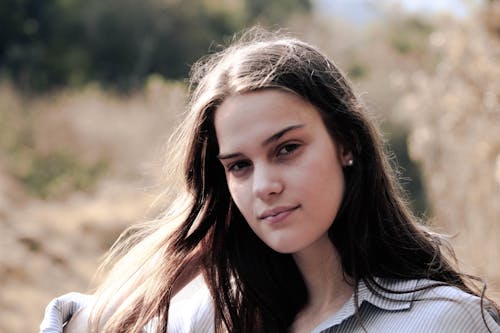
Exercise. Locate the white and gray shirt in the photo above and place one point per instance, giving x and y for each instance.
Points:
(443, 309)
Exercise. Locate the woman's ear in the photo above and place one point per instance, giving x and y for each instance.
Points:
(346, 158)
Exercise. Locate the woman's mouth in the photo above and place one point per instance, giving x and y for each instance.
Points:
(277, 214)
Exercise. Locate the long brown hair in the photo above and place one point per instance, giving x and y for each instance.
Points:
(254, 288)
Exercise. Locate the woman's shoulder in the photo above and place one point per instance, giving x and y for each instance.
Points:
(446, 308)
(192, 310)
(448, 297)
(79, 321)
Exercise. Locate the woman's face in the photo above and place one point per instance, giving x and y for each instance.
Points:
(283, 169)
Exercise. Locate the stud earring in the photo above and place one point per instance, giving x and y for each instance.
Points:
(350, 162)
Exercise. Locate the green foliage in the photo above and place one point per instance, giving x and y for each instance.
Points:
(56, 174)
(273, 12)
(357, 71)
(409, 173)
(410, 35)
(42, 174)
(45, 44)
(39, 46)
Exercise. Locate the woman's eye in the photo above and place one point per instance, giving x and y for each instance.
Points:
(288, 148)
(238, 166)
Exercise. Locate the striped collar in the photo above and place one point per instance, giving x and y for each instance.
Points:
(399, 301)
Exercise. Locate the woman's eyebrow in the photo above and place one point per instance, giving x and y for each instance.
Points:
(279, 134)
(227, 156)
(276, 136)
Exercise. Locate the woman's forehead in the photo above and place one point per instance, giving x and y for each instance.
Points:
(254, 117)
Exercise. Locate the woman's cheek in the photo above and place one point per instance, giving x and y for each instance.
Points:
(236, 191)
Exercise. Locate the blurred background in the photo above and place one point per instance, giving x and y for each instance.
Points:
(90, 91)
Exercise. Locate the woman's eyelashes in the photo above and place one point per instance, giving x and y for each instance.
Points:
(238, 167)
(281, 153)
(287, 149)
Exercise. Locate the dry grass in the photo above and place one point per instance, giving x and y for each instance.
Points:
(51, 245)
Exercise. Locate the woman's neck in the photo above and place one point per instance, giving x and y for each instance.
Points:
(321, 268)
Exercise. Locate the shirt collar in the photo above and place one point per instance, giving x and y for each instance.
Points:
(390, 294)
(399, 299)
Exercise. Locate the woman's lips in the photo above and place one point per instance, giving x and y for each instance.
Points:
(278, 214)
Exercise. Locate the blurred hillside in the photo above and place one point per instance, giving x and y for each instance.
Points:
(90, 91)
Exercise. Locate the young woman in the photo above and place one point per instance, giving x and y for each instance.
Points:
(290, 220)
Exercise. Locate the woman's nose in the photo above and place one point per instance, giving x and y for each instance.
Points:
(266, 183)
